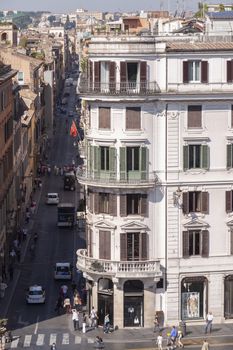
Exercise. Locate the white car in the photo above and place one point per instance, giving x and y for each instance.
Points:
(52, 198)
(35, 295)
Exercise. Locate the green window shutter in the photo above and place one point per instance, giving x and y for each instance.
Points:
(96, 152)
(112, 160)
(123, 163)
(144, 162)
(205, 157)
(185, 157)
(90, 158)
(229, 156)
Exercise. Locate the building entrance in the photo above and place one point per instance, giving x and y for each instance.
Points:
(133, 303)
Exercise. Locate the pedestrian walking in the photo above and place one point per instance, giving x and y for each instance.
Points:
(84, 323)
(27, 217)
(25, 232)
(99, 344)
(67, 305)
(64, 290)
(209, 322)
(53, 347)
(205, 345)
(59, 305)
(156, 323)
(160, 341)
(179, 337)
(3, 287)
(93, 317)
(75, 319)
(174, 334)
(106, 323)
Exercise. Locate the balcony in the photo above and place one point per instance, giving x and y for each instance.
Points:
(118, 269)
(118, 89)
(111, 179)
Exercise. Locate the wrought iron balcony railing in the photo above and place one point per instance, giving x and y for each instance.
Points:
(123, 88)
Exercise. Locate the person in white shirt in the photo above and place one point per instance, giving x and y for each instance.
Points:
(209, 321)
(93, 317)
(160, 341)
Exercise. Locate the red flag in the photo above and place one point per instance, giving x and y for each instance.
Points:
(73, 129)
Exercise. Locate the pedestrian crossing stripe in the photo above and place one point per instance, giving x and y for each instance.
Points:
(42, 339)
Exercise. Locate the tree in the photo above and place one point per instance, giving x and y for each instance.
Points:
(202, 9)
(221, 8)
(23, 42)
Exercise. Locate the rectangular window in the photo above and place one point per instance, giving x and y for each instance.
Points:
(195, 242)
(229, 201)
(133, 246)
(133, 158)
(195, 202)
(104, 158)
(196, 157)
(133, 118)
(104, 203)
(194, 117)
(133, 204)
(194, 71)
(229, 156)
(104, 118)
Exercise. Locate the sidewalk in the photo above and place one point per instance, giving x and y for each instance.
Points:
(195, 334)
(12, 284)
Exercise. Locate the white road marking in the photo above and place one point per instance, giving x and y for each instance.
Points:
(37, 325)
(65, 339)
(14, 343)
(78, 339)
(40, 340)
(90, 341)
(53, 338)
(27, 341)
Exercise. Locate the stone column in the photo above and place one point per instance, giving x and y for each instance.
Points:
(94, 301)
(149, 304)
(118, 300)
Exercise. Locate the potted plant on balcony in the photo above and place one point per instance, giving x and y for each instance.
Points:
(97, 266)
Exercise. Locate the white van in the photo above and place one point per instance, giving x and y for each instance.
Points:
(52, 198)
(63, 271)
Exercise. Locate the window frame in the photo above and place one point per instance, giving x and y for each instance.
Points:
(192, 67)
(104, 158)
(103, 203)
(132, 158)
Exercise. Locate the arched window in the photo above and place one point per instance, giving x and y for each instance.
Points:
(4, 37)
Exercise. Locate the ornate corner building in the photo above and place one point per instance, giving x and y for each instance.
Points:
(158, 130)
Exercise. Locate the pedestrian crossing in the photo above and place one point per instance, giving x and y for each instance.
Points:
(39, 340)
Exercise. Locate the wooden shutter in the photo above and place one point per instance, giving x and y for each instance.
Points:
(144, 205)
(90, 243)
(205, 202)
(185, 244)
(112, 162)
(133, 118)
(91, 199)
(205, 243)
(185, 205)
(185, 72)
(231, 242)
(123, 247)
(144, 162)
(204, 72)
(96, 202)
(97, 76)
(112, 76)
(186, 157)
(105, 245)
(113, 204)
(144, 246)
(229, 156)
(229, 71)
(231, 116)
(123, 205)
(104, 118)
(123, 163)
(123, 75)
(143, 76)
(90, 75)
(194, 116)
(228, 201)
(96, 152)
(205, 157)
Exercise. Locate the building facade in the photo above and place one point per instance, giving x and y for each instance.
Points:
(158, 180)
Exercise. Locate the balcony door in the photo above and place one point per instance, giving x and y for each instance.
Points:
(133, 163)
(134, 246)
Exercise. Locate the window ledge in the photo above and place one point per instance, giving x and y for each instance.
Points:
(196, 138)
(195, 171)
